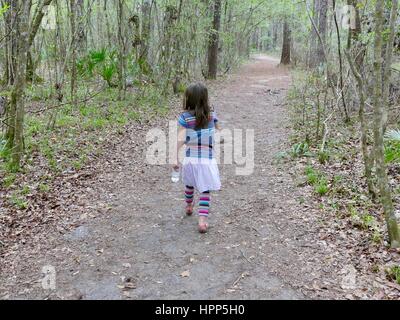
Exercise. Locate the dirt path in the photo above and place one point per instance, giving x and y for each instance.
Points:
(141, 240)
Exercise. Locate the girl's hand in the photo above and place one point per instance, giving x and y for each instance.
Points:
(175, 167)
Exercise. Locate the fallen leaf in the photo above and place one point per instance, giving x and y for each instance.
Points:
(185, 274)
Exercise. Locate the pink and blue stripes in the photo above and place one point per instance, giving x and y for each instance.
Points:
(204, 201)
(189, 192)
(204, 204)
(199, 142)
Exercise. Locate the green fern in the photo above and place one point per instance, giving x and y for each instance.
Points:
(393, 135)
(98, 56)
(107, 73)
(392, 146)
(4, 8)
(300, 150)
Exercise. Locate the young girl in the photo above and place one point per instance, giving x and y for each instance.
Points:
(197, 125)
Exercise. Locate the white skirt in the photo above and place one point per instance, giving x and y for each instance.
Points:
(203, 174)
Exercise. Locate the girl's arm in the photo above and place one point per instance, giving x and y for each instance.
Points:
(218, 127)
(216, 121)
(180, 144)
(181, 137)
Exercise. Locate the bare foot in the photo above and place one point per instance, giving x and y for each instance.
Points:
(203, 224)
(189, 209)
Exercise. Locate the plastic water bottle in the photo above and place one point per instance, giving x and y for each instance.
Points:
(175, 175)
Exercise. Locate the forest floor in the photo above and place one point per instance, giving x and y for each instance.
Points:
(131, 240)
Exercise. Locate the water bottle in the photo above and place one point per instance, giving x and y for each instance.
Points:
(175, 175)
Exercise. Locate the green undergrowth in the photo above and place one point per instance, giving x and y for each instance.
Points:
(63, 139)
(332, 168)
(393, 273)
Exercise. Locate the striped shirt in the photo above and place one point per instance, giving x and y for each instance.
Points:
(199, 143)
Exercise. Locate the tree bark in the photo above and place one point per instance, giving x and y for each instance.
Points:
(380, 105)
(73, 11)
(367, 155)
(37, 20)
(145, 34)
(17, 99)
(214, 42)
(121, 51)
(354, 32)
(105, 10)
(81, 36)
(11, 44)
(285, 58)
(339, 47)
(353, 42)
(274, 35)
(314, 39)
(322, 26)
(7, 28)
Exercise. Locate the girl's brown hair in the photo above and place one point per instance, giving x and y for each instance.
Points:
(196, 99)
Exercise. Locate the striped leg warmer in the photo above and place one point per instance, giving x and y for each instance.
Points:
(204, 204)
(189, 192)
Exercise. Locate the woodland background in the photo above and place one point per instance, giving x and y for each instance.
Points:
(75, 73)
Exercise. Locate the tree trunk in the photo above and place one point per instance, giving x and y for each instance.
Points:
(105, 10)
(81, 39)
(354, 32)
(380, 105)
(17, 100)
(353, 42)
(314, 40)
(322, 26)
(37, 20)
(73, 10)
(121, 51)
(146, 28)
(30, 68)
(7, 27)
(274, 35)
(12, 29)
(214, 42)
(339, 47)
(367, 155)
(285, 58)
(11, 38)
(177, 72)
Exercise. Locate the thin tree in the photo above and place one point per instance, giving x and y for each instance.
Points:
(146, 29)
(73, 11)
(354, 44)
(380, 106)
(10, 20)
(285, 57)
(121, 50)
(81, 36)
(322, 27)
(108, 28)
(37, 20)
(367, 154)
(17, 99)
(214, 41)
(339, 46)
